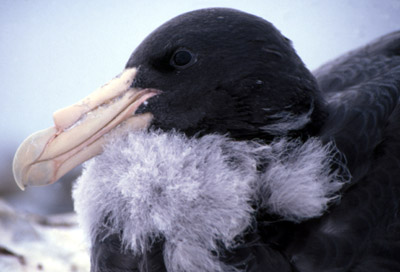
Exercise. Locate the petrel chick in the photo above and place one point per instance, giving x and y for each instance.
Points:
(217, 150)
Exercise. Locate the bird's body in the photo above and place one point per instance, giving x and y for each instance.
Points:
(250, 162)
(362, 232)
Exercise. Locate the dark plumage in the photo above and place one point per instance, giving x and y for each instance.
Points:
(305, 205)
(244, 74)
(243, 66)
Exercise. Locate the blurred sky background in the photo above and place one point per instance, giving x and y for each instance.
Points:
(52, 53)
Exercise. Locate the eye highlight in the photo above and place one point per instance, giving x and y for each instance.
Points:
(182, 58)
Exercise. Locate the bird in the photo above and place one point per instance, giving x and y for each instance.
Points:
(216, 149)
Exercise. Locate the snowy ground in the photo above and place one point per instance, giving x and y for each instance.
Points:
(36, 243)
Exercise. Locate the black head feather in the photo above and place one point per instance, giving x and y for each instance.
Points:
(236, 73)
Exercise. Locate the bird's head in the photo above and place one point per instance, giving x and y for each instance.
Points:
(225, 71)
(208, 71)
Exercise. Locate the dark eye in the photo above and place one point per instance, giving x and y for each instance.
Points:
(182, 58)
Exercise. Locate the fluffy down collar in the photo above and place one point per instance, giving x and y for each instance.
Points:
(198, 192)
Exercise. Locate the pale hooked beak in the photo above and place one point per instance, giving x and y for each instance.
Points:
(77, 136)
